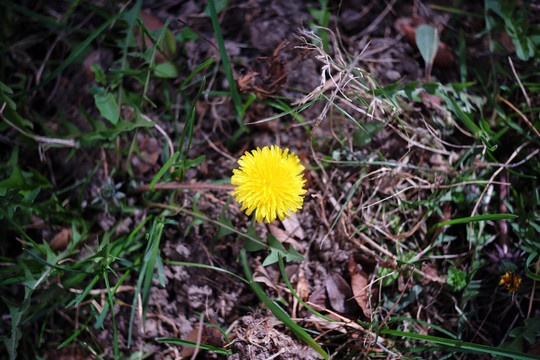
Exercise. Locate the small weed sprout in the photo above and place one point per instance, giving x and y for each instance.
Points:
(109, 193)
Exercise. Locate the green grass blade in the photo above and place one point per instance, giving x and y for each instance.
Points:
(86, 290)
(145, 276)
(277, 311)
(130, 16)
(476, 218)
(181, 342)
(48, 264)
(461, 345)
(190, 120)
(195, 72)
(164, 169)
(113, 317)
(226, 63)
(204, 266)
(76, 333)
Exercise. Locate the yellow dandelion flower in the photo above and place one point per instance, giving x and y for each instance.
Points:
(271, 181)
(511, 281)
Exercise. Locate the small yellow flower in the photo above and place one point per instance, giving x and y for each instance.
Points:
(511, 281)
(269, 180)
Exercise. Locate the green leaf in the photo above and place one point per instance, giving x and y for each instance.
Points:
(220, 5)
(16, 312)
(427, 40)
(251, 245)
(529, 331)
(457, 279)
(186, 35)
(276, 248)
(190, 163)
(165, 71)
(363, 136)
(182, 342)
(99, 74)
(108, 107)
(226, 222)
(528, 263)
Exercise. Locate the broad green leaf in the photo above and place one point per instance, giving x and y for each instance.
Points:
(276, 248)
(427, 40)
(165, 70)
(251, 245)
(108, 107)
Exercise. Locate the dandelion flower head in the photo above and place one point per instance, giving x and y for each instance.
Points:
(269, 181)
(511, 281)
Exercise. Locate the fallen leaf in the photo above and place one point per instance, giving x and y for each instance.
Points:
(408, 25)
(317, 299)
(210, 335)
(61, 240)
(359, 285)
(284, 237)
(293, 227)
(266, 76)
(431, 101)
(431, 273)
(340, 295)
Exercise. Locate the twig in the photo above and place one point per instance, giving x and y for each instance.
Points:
(199, 338)
(38, 138)
(519, 113)
(379, 18)
(194, 186)
(519, 82)
(160, 129)
(514, 154)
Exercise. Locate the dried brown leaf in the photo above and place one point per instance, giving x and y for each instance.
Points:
(61, 240)
(318, 299)
(293, 227)
(359, 285)
(340, 294)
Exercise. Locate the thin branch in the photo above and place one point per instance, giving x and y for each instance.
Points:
(177, 186)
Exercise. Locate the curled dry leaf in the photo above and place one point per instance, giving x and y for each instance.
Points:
(266, 76)
(210, 335)
(61, 240)
(284, 237)
(359, 285)
(431, 101)
(408, 25)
